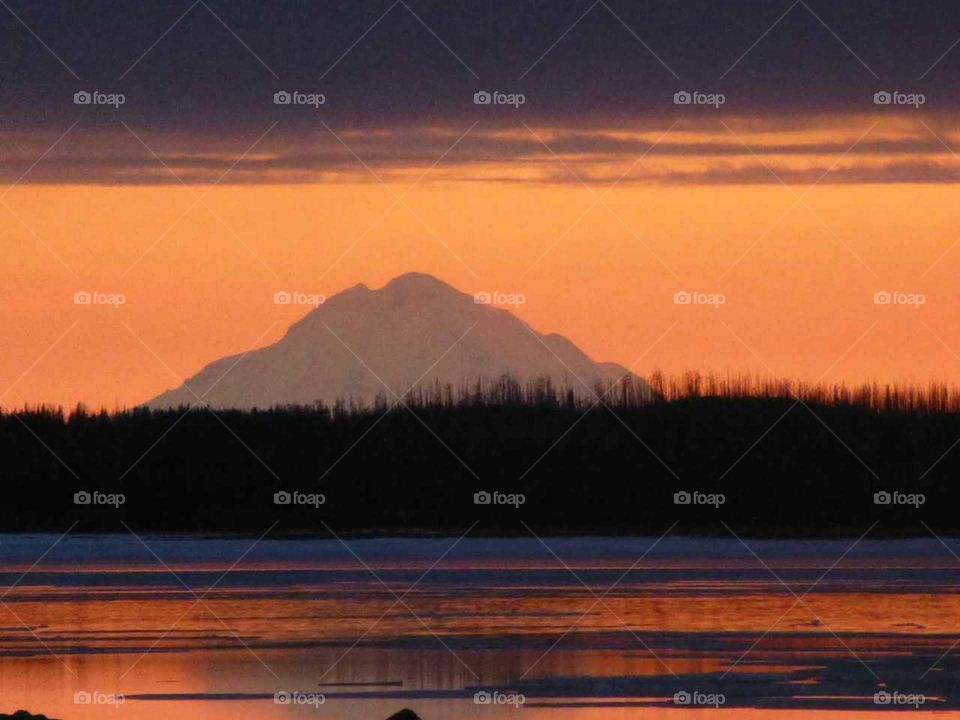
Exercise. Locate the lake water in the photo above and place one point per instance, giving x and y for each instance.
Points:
(578, 628)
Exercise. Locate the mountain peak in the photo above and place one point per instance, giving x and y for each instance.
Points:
(418, 282)
(362, 343)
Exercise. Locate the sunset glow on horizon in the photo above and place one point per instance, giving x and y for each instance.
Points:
(788, 165)
(798, 267)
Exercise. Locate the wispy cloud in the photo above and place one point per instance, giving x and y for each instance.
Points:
(902, 149)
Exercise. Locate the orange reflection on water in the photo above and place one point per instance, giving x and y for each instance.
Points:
(269, 628)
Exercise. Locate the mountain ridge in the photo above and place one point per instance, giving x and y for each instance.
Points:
(415, 331)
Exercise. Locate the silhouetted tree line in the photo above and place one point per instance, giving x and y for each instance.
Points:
(889, 397)
(786, 458)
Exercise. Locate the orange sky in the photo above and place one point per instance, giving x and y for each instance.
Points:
(798, 276)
